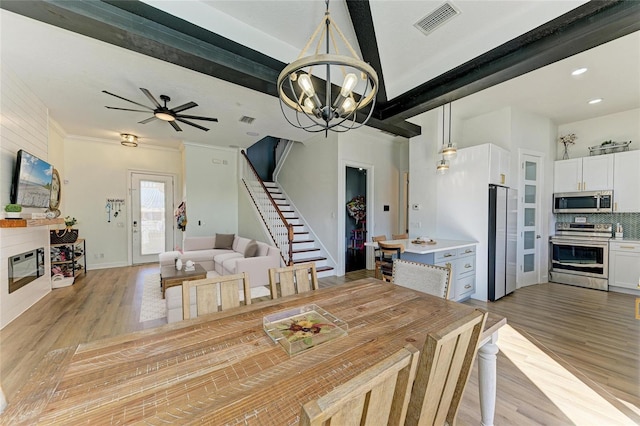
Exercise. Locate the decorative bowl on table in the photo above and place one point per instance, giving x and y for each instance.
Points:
(302, 328)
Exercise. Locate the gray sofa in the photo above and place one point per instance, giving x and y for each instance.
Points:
(222, 261)
(227, 261)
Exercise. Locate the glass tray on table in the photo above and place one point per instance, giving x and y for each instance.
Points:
(302, 328)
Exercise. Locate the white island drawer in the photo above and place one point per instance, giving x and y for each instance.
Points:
(445, 255)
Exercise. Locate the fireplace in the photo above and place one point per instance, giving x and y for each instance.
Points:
(25, 267)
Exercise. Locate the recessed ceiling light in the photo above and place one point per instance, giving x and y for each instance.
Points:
(579, 71)
(253, 133)
(595, 101)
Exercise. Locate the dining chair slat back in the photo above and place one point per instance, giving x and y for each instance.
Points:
(404, 236)
(388, 253)
(215, 293)
(431, 279)
(376, 252)
(443, 371)
(293, 279)
(378, 396)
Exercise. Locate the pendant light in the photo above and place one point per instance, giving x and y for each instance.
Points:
(128, 140)
(443, 165)
(320, 106)
(450, 150)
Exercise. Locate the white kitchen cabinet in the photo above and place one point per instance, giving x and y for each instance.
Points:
(584, 174)
(499, 166)
(462, 262)
(626, 182)
(624, 264)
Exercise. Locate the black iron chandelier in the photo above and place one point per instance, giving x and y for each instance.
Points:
(315, 105)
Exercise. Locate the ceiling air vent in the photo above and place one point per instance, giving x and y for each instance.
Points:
(247, 120)
(436, 18)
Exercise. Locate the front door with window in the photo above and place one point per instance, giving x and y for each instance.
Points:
(151, 216)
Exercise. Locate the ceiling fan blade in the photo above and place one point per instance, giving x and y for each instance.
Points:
(192, 124)
(147, 120)
(125, 109)
(175, 126)
(195, 117)
(125, 99)
(151, 98)
(185, 106)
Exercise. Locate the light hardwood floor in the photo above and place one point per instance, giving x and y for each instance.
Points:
(556, 332)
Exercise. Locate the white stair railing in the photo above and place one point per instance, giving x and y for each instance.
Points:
(279, 228)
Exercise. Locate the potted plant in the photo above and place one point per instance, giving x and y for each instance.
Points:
(12, 211)
(567, 140)
(70, 221)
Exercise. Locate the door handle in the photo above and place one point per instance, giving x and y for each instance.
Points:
(538, 237)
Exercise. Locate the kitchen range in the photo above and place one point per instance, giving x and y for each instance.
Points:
(580, 254)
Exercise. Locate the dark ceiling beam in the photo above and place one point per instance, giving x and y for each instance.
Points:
(360, 13)
(585, 27)
(136, 26)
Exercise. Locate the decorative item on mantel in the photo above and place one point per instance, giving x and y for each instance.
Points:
(67, 235)
(567, 140)
(13, 211)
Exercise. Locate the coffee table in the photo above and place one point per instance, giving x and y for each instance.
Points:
(170, 276)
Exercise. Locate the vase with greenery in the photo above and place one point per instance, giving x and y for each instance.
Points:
(12, 211)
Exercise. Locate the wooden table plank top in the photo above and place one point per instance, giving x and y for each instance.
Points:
(223, 368)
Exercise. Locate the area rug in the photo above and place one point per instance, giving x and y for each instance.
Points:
(153, 305)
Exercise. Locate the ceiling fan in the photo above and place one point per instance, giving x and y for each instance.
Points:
(162, 112)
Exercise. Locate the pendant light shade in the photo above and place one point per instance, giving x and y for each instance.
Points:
(128, 140)
(449, 150)
(443, 166)
(314, 105)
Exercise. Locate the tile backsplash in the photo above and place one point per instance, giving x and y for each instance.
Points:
(630, 221)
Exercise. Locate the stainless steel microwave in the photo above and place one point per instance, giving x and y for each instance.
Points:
(583, 202)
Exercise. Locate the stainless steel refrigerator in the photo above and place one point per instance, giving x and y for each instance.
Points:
(502, 244)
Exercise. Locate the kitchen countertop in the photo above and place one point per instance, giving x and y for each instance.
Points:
(440, 245)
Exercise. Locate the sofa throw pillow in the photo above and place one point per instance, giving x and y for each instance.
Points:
(224, 241)
(252, 249)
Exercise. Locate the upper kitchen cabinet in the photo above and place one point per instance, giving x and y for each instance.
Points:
(626, 182)
(499, 166)
(584, 174)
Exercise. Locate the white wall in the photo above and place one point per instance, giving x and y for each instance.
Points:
(211, 190)
(95, 170)
(619, 127)
(493, 127)
(23, 125)
(423, 178)
(310, 179)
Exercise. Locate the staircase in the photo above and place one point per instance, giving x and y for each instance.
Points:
(304, 248)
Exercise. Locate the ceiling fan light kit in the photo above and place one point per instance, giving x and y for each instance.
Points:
(320, 109)
(163, 112)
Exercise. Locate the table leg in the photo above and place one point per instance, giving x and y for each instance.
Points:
(487, 375)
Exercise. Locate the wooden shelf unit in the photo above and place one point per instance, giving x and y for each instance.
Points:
(25, 223)
(71, 258)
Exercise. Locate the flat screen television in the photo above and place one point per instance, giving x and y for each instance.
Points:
(31, 186)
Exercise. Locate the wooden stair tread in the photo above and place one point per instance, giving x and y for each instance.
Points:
(305, 250)
(310, 259)
(324, 268)
(302, 241)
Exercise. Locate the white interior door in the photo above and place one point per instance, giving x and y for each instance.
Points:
(151, 216)
(529, 243)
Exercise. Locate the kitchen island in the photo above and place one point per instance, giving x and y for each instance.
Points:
(459, 255)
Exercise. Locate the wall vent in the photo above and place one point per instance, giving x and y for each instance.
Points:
(437, 18)
(247, 120)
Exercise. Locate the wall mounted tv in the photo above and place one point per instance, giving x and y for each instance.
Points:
(31, 186)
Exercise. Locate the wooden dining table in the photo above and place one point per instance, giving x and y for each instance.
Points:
(223, 368)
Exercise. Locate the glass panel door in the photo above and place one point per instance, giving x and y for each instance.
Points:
(152, 214)
(529, 241)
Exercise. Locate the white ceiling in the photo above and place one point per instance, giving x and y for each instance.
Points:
(68, 71)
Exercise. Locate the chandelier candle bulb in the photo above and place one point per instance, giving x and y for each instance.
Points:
(350, 81)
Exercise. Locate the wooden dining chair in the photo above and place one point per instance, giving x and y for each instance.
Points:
(431, 279)
(376, 250)
(388, 253)
(404, 236)
(445, 363)
(294, 279)
(215, 293)
(377, 396)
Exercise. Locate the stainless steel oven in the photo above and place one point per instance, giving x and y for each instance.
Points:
(579, 255)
